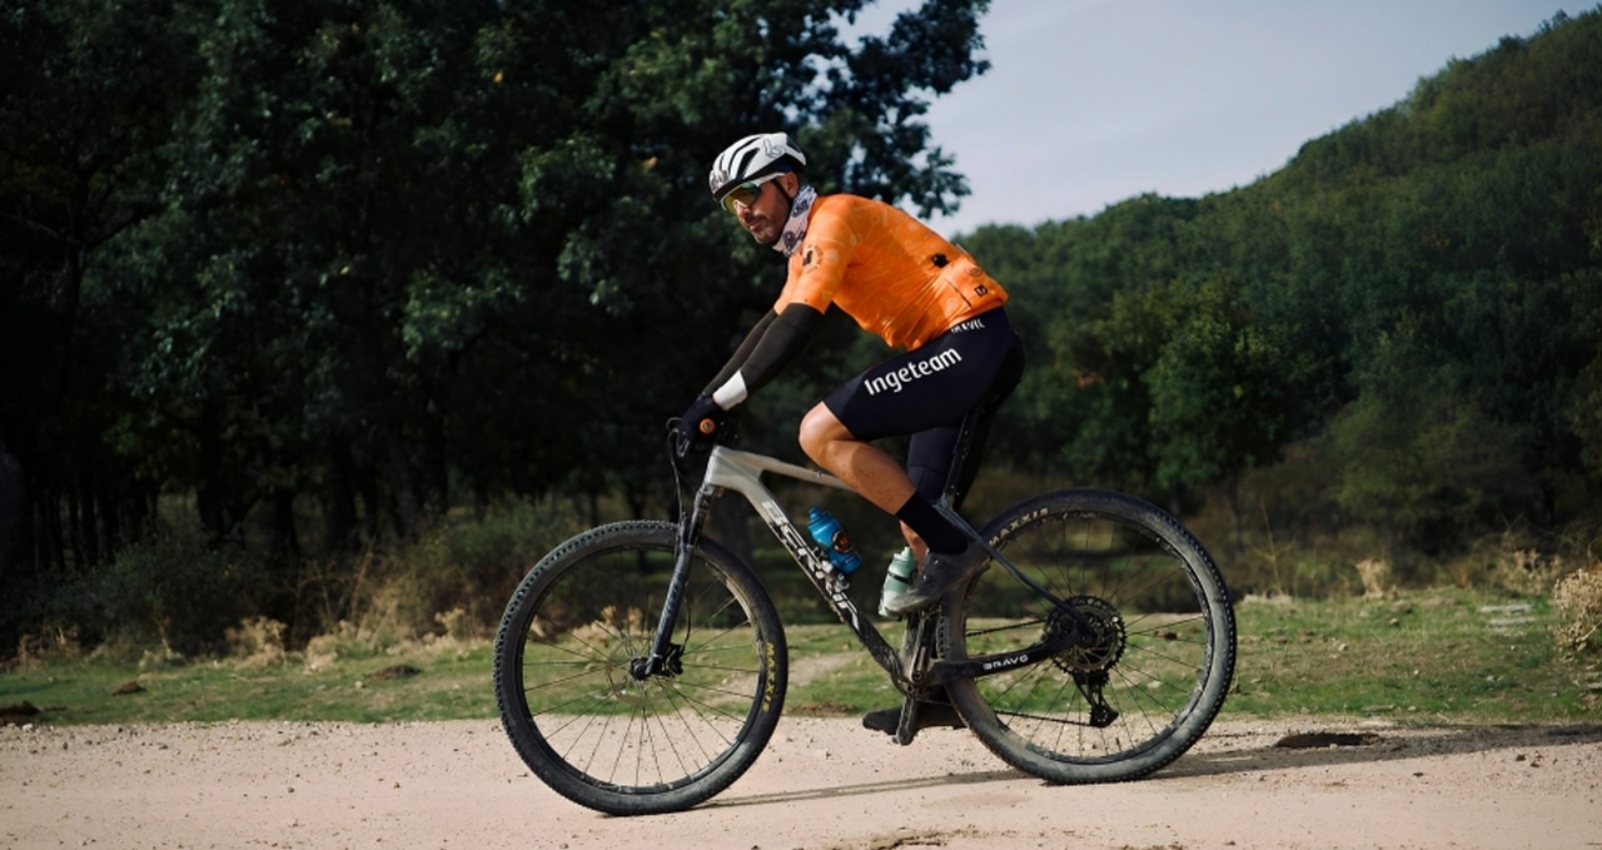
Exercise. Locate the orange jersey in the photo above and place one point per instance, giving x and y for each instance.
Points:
(897, 278)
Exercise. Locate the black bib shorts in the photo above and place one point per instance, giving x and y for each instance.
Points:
(958, 378)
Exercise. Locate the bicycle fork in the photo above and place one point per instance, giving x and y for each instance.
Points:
(665, 657)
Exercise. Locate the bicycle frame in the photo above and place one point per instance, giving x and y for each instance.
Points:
(741, 472)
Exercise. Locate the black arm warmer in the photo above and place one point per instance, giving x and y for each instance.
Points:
(742, 353)
(775, 341)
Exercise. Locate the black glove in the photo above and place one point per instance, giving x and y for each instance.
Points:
(698, 424)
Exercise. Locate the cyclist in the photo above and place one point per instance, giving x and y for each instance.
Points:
(903, 282)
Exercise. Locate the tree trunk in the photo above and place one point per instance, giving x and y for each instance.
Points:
(209, 498)
(339, 520)
(13, 518)
(284, 546)
(404, 503)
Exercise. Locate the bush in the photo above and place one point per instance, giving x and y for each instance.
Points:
(174, 592)
(186, 593)
(473, 566)
(257, 642)
(454, 581)
(1577, 611)
(170, 589)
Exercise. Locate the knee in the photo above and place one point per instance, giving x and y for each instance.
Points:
(818, 429)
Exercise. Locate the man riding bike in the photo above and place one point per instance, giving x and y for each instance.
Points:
(912, 288)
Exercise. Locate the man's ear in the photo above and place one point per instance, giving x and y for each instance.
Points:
(791, 183)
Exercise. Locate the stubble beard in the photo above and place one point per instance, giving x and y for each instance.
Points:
(765, 232)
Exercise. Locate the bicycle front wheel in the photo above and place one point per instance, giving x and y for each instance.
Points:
(1147, 685)
(569, 699)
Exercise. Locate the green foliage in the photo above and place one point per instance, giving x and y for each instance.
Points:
(470, 568)
(452, 581)
(1415, 293)
(336, 269)
(168, 589)
(1219, 390)
(1425, 464)
(395, 257)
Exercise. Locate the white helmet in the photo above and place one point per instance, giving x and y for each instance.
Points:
(750, 158)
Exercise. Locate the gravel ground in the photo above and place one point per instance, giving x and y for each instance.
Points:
(823, 783)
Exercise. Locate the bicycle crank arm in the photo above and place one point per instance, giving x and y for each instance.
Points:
(942, 672)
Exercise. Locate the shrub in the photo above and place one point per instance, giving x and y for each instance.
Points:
(37, 651)
(1529, 572)
(472, 567)
(257, 641)
(184, 592)
(169, 589)
(1375, 574)
(1577, 611)
(454, 582)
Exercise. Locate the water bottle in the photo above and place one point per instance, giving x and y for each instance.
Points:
(898, 579)
(827, 531)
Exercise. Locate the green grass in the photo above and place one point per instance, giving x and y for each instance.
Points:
(1440, 654)
(1422, 656)
(451, 684)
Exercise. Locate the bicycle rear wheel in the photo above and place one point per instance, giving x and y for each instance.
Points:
(592, 731)
(1149, 684)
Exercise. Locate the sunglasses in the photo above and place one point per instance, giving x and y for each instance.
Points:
(747, 193)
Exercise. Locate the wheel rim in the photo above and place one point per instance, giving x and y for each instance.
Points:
(1127, 691)
(594, 718)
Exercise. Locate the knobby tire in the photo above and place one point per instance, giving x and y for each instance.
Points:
(584, 725)
(1144, 689)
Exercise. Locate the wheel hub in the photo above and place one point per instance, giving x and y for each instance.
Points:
(1107, 644)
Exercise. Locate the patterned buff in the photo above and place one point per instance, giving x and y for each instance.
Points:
(795, 229)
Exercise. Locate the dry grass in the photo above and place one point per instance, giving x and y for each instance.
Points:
(1577, 611)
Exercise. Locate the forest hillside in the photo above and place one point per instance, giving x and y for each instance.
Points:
(299, 295)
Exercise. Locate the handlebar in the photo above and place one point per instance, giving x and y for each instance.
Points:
(683, 443)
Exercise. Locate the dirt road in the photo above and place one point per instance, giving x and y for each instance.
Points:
(823, 784)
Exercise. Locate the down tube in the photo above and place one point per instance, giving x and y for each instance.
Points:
(824, 578)
(742, 472)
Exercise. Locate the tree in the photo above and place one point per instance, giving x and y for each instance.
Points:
(85, 105)
(381, 257)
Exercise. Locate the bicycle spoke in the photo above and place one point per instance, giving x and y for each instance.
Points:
(1141, 685)
(571, 647)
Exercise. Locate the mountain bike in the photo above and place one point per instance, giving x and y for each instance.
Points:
(640, 667)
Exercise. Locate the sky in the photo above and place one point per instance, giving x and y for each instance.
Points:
(1091, 102)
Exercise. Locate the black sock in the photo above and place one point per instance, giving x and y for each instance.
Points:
(921, 516)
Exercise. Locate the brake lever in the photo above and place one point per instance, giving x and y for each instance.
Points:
(681, 443)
